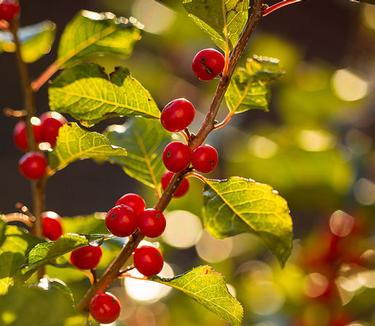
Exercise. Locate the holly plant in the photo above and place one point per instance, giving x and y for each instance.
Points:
(155, 146)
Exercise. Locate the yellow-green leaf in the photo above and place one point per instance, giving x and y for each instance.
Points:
(74, 143)
(89, 95)
(222, 20)
(46, 252)
(207, 287)
(237, 205)
(249, 86)
(97, 33)
(36, 40)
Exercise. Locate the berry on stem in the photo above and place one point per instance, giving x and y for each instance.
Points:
(51, 122)
(105, 308)
(181, 189)
(177, 115)
(151, 223)
(86, 257)
(121, 221)
(205, 158)
(176, 156)
(148, 260)
(134, 201)
(20, 133)
(208, 63)
(33, 165)
(51, 225)
(9, 9)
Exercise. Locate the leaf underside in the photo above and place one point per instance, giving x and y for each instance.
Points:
(144, 140)
(222, 20)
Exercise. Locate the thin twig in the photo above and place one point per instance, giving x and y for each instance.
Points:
(45, 76)
(223, 123)
(94, 275)
(113, 269)
(37, 187)
(124, 271)
(278, 6)
(12, 113)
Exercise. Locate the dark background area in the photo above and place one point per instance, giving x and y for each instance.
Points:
(85, 187)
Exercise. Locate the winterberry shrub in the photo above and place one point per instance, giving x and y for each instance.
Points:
(156, 147)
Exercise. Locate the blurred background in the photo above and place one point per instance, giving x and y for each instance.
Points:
(315, 146)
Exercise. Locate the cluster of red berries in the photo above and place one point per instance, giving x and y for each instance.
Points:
(9, 9)
(178, 114)
(33, 165)
(130, 214)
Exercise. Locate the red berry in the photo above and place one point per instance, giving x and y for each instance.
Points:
(51, 224)
(20, 133)
(151, 223)
(181, 189)
(9, 9)
(51, 123)
(86, 257)
(205, 158)
(177, 115)
(176, 156)
(208, 64)
(134, 201)
(33, 165)
(121, 221)
(105, 308)
(148, 260)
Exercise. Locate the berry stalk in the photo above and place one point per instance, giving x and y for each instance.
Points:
(115, 267)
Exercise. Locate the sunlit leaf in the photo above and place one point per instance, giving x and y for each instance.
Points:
(36, 40)
(100, 33)
(249, 87)
(18, 307)
(144, 140)
(45, 252)
(208, 288)
(74, 143)
(89, 95)
(237, 205)
(86, 224)
(14, 247)
(223, 20)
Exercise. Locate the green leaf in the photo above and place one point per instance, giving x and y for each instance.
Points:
(86, 224)
(222, 20)
(208, 288)
(36, 40)
(36, 305)
(88, 94)
(74, 143)
(144, 140)
(16, 244)
(249, 86)
(238, 205)
(46, 252)
(97, 33)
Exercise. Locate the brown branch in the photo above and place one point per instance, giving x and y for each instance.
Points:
(208, 125)
(26, 84)
(37, 187)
